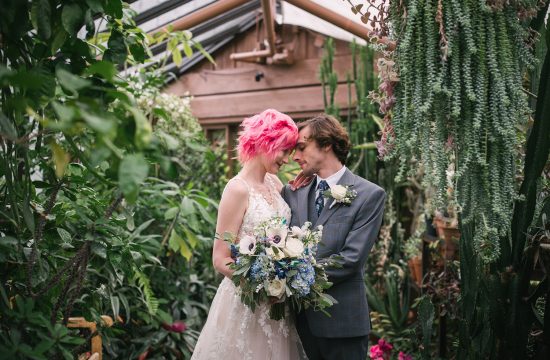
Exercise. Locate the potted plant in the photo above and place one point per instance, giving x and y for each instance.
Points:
(413, 254)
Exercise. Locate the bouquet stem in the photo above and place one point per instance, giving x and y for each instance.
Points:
(277, 311)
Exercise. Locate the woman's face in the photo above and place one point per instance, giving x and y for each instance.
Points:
(273, 165)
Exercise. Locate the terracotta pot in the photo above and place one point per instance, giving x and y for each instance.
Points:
(450, 235)
(415, 265)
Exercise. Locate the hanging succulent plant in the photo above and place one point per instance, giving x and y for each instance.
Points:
(460, 99)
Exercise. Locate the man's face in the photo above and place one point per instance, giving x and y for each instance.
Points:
(308, 154)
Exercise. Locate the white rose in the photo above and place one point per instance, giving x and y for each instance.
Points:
(247, 245)
(294, 247)
(276, 288)
(277, 235)
(275, 254)
(298, 232)
(338, 192)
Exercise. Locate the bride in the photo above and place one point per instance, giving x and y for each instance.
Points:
(232, 330)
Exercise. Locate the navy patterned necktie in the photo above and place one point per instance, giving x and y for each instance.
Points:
(320, 200)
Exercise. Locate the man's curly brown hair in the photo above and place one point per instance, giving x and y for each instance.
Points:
(326, 130)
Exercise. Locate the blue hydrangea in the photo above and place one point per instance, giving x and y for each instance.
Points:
(304, 279)
(234, 251)
(259, 271)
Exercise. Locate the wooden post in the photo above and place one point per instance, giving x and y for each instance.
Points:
(81, 323)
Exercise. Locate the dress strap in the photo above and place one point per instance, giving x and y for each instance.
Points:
(248, 187)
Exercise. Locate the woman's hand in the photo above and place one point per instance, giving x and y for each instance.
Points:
(300, 181)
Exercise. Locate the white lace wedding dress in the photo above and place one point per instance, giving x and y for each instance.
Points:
(232, 331)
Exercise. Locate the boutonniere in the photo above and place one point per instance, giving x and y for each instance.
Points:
(342, 194)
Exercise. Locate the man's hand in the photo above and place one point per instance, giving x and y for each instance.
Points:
(300, 181)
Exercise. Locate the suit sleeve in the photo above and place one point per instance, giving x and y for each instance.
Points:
(283, 193)
(360, 239)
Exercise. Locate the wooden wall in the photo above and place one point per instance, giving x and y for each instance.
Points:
(228, 92)
(225, 93)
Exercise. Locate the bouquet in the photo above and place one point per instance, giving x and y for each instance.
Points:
(277, 267)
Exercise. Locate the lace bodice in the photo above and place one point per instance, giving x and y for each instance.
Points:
(259, 209)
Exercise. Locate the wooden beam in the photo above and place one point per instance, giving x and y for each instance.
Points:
(301, 73)
(80, 322)
(269, 22)
(339, 20)
(226, 108)
(208, 12)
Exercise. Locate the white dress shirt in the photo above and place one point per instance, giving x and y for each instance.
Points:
(331, 180)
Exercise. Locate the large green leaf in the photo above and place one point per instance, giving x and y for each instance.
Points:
(103, 125)
(41, 18)
(114, 8)
(6, 128)
(72, 18)
(117, 51)
(132, 172)
(71, 82)
(95, 5)
(144, 131)
(177, 243)
(103, 68)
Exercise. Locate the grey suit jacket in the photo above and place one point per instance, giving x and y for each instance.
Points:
(348, 231)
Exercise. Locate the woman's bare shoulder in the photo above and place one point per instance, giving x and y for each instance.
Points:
(235, 187)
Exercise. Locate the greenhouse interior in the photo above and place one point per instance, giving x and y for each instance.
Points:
(269, 179)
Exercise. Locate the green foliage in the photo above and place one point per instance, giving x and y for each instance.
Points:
(329, 79)
(460, 103)
(389, 302)
(88, 188)
(426, 317)
(460, 92)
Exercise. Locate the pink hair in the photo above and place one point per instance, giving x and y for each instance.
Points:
(266, 133)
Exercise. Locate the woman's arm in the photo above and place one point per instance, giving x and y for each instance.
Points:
(231, 211)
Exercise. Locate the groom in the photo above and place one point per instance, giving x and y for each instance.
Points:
(349, 231)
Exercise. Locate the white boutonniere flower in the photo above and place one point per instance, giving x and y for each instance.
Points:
(342, 194)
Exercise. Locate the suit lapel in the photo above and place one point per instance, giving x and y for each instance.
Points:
(303, 203)
(346, 179)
